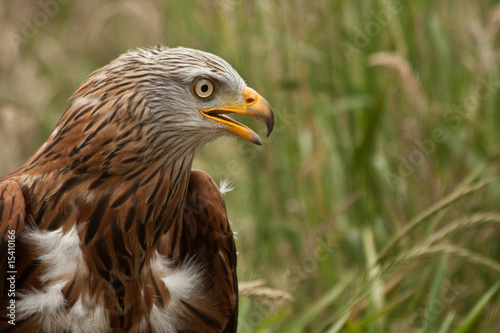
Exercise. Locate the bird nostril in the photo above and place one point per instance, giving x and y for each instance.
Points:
(250, 100)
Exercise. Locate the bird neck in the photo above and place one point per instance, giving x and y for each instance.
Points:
(113, 157)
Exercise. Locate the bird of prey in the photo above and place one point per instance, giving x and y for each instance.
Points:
(106, 228)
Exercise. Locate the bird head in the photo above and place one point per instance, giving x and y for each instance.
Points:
(188, 94)
(205, 89)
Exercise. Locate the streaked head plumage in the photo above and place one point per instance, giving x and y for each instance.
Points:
(177, 85)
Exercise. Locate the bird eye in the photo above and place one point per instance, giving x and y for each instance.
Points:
(203, 88)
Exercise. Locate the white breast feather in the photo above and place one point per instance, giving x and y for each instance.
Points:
(62, 253)
(63, 256)
(183, 283)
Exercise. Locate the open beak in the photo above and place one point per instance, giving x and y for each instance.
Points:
(254, 105)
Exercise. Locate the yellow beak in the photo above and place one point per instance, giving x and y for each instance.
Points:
(254, 105)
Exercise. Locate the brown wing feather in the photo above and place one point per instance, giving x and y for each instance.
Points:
(207, 237)
(12, 209)
(12, 214)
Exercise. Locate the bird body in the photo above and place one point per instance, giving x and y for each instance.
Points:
(110, 227)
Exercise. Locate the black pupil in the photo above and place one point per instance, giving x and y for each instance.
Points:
(204, 88)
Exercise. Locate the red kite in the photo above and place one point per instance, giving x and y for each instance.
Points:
(106, 227)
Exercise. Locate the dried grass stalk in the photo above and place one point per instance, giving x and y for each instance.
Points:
(254, 290)
(463, 189)
(409, 80)
(425, 252)
(487, 58)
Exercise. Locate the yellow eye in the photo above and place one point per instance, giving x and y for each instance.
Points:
(203, 88)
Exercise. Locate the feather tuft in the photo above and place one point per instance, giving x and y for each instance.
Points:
(226, 186)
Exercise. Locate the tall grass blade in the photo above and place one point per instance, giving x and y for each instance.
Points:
(476, 311)
(431, 312)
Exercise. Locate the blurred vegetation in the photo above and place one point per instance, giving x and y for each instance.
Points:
(374, 202)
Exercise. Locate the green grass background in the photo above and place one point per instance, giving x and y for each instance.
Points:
(375, 200)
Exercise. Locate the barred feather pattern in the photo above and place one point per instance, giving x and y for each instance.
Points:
(119, 233)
